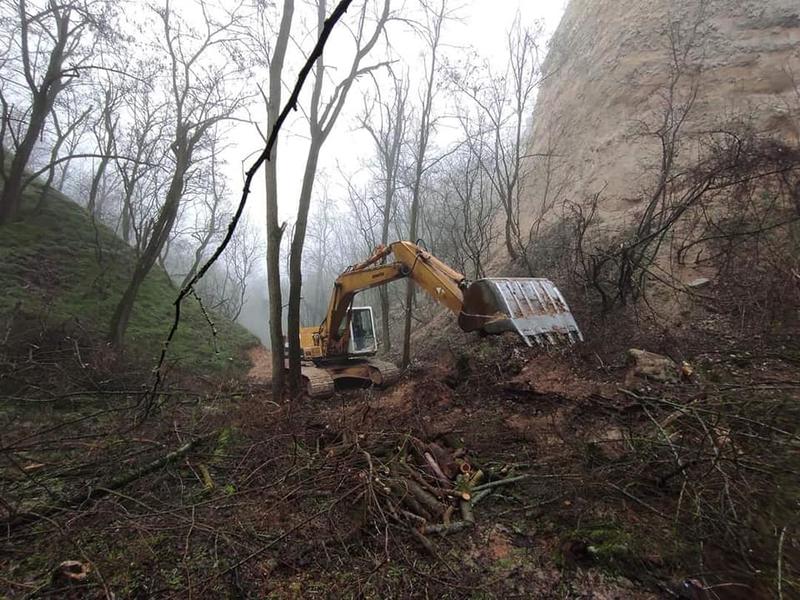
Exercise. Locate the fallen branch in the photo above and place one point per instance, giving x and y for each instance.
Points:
(480, 496)
(499, 482)
(99, 491)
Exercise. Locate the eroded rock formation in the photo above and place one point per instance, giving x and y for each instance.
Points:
(609, 72)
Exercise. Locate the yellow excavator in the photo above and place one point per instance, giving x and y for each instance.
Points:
(342, 347)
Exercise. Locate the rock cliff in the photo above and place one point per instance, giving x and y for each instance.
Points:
(608, 77)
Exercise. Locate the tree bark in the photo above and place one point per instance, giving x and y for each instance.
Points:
(296, 267)
(274, 230)
(152, 251)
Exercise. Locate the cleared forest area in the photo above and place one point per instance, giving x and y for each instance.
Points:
(575, 375)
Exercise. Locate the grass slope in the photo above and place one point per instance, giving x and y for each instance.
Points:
(58, 271)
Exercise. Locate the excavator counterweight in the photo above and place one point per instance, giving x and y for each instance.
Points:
(342, 346)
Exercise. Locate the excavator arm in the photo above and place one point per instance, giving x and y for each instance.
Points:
(533, 308)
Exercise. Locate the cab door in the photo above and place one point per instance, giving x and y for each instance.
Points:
(362, 331)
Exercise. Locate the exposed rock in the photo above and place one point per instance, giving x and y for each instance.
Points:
(698, 283)
(610, 443)
(606, 75)
(651, 366)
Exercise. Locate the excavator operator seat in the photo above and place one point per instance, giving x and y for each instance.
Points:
(362, 332)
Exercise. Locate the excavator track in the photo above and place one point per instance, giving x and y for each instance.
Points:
(319, 382)
(388, 372)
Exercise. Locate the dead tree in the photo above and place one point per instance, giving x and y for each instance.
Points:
(322, 117)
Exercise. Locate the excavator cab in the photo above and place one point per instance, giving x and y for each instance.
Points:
(362, 332)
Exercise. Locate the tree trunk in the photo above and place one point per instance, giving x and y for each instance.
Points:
(126, 218)
(11, 199)
(413, 238)
(410, 289)
(274, 230)
(512, 252)
(94, 191)
(152, 251)
(296, 266)
(51, 173)
(391, 172)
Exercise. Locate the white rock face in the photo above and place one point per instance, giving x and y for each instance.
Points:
(608, 69)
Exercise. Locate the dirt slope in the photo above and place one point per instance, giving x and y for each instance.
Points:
(61, 276)
(261, 361)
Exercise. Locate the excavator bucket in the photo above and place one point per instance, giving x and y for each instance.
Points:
(531, 307)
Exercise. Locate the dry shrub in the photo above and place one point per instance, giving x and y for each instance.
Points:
(749, 234)
(736, 212)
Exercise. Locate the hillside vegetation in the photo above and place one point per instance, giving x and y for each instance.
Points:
(62, 274)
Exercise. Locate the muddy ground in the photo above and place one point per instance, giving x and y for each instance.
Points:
(629, 488)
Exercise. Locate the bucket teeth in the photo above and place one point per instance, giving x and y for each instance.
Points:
(532, 307)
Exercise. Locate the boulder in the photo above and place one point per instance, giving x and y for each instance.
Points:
(698, 283)
(651, 366)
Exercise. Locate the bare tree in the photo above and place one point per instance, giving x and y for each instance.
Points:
(105, 134)
(53, 44)
(322, 118)
(143, 141)
(506, 101)
(224, 289)
(65, 134)
(432, 33)
(388, 132)
(261, 35)
(468, 210)
(200, 100)
(209, 220)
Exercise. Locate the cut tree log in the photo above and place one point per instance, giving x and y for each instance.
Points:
(428, 500)
(437, 470)
(466, 511)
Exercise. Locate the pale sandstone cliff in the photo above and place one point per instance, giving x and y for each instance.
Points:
(607, 70)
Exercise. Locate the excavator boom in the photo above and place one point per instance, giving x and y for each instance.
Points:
(533, 308)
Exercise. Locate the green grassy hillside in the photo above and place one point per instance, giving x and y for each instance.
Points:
(60, 272)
